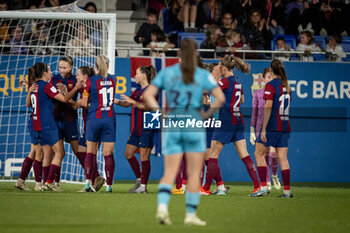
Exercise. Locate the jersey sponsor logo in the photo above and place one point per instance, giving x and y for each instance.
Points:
(53, 89)
(238, 86)
(267, 92)
(220, 83)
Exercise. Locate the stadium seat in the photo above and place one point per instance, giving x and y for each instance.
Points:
(198, 37)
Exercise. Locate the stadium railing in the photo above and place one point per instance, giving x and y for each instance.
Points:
(244, 52)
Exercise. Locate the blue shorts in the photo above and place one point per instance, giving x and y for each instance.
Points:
(146, 138)
(82, 140)
(275, 139)
(210, 132)
(68, 130)
(134, 140)
(47, 137)
(181, 141)
(143, 141)
(100, 130)
(33, 134)
(227, 134)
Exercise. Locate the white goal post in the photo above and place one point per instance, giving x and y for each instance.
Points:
(110, 18)
(14, 64)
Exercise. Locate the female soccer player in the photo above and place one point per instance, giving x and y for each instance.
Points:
(35, 154)
(184, 84)
(276, 128)
(44, 122)
(232, 125)
(100, 125)
(97, 181)
(66, 116)
(255, 127)
(140, 137)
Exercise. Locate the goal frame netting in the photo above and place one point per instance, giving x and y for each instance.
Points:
(47, 14)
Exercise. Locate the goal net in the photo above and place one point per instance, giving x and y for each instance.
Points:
(44, 35)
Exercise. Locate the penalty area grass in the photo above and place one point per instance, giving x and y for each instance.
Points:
(316, 207)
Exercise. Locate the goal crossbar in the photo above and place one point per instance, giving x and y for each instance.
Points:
(111, 18)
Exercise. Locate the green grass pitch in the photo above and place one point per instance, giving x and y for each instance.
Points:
(314, 208)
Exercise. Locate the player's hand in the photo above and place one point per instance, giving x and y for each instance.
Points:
(141, 39)
(33, 88)
(263, 136)
(117, 101)
(79, 84)
(62, 88)
(252, 137)
(127, 99)
(23, 82)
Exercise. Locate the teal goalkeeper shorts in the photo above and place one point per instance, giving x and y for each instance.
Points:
(182, 141)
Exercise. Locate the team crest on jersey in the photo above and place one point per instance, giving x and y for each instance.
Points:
(258, 82)
(70, 85)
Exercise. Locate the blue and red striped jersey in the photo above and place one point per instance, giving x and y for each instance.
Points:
(230, 112)
(101, 91)
(43, 106)
(279, 118)
(137, 114)
(63, 111)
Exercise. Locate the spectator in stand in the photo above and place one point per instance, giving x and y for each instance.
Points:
(232, 42)
(282, 46)
(40, 39)
(90, 7)
(228, 22)
(49, 3)
(307, 45)
(159, 40)
(292, 17)
(209, 12)
(94, 30)
(18, 46)
(236, 8)
(334, 50)
(144, 33)
(80, 45)
(212, 35)
(332, 18)
(176, 15)
(182, 15)
(249, 5)
(257, 33)
(276, 18)
(4, 35)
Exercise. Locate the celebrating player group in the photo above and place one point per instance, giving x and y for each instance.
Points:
(192, 93)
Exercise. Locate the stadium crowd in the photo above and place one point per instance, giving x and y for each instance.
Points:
(231, 25)
(223, 25)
